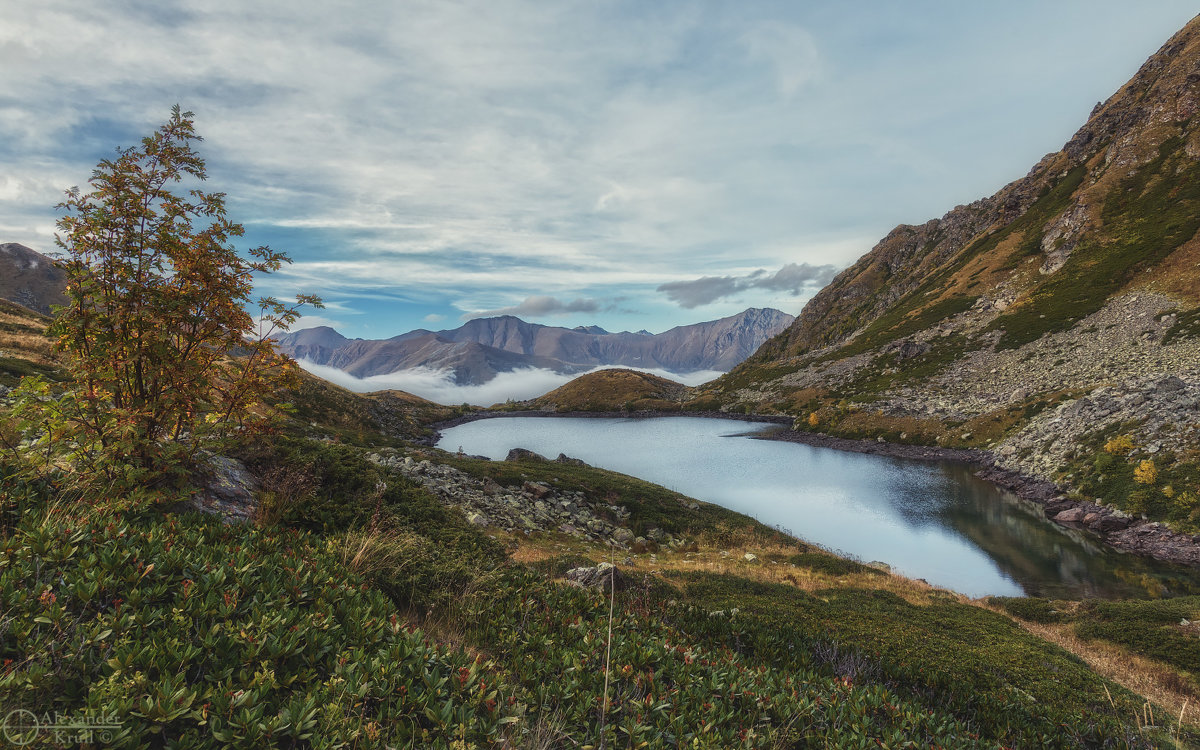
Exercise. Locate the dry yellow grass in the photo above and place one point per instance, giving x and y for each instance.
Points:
(1176, 276)
(1146, 677)
(1160, 685)
(22, 335)
(771, 565)
(28, 346)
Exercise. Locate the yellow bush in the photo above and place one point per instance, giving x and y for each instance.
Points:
(813, 419)
(1119, 446)
(1145, 473)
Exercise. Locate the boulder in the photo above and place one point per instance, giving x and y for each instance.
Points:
(523, 454)
(1109, 523)
(622, 536)
(602, 576)
(537, 489)
(907, 349)
(226, 488)
(565, 459)
(1070, 515)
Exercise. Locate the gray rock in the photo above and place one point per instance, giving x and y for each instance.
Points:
(623, 536)
(603, 576)
(226, 489)
(522, 454)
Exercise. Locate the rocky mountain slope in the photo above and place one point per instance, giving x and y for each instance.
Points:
(1041, 322)
(480, 348)
(30, 279)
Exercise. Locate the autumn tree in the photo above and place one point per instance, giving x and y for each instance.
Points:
(165, 357)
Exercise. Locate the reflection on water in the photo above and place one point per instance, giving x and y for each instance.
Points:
(927, 520)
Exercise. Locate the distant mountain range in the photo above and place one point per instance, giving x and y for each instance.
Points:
(480, 348)
(30, 279)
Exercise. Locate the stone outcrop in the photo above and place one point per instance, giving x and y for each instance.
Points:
(604, 576)
(227, 489)
(532, 507)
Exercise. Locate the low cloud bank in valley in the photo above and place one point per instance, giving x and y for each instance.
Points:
(439, 385)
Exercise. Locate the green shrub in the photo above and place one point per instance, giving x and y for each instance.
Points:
(837, 566)
(667, 688)
(193, 633)
(1149, 628)
(1033, 609)
(970, 664)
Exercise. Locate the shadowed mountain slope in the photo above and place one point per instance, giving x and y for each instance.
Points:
(30, 279)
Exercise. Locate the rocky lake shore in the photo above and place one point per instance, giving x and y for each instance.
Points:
(1120, 530)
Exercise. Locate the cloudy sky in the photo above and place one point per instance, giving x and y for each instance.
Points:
(629, 164)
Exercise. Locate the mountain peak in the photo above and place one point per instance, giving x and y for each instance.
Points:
(481, 347)
(1051, 247)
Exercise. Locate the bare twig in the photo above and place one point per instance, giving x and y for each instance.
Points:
(612, 587)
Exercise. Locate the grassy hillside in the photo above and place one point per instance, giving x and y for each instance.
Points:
(24, 348)
(382, 618)
(358, 609)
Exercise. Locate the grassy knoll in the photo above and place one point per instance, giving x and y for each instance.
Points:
(613, 390)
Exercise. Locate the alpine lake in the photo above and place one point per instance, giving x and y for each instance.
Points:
(932, 520)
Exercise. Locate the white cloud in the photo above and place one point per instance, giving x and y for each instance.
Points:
(791, 50)
(469, 145)
(443, 128)
(433, 318)
(439, 386)
(539, 306)
(793, 279)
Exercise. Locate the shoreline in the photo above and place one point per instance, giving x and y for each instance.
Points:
(1119, 531)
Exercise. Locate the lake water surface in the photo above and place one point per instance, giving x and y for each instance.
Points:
(931, 520)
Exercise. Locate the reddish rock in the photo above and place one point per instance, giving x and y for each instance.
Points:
(1070, 515)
